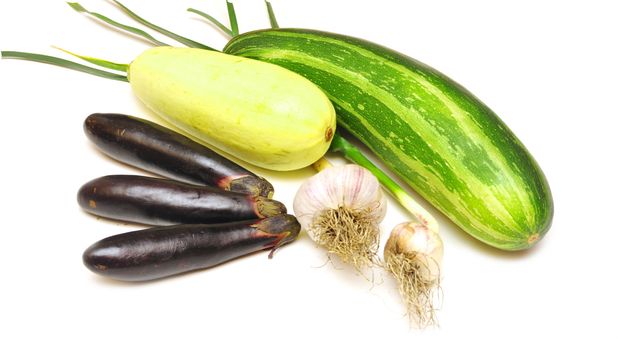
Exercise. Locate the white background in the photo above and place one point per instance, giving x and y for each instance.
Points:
(548, 68)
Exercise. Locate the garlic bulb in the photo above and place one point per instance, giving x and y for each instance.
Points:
(413, 254)
(340, 208)
(417, 239)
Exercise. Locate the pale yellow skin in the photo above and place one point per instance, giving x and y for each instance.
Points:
(256, 111)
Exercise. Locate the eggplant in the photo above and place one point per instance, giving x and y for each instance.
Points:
(152, 147)
(164, 251)
(157, 201)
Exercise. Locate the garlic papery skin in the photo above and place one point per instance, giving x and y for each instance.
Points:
(350, 186)
(417, 239)
(340, 208)
(413, 254)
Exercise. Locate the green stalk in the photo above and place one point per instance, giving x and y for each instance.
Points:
(121, 67)
(179, 38)
(212, 20)
(271, 15)
(232, 14)
(79, 8)
(60, 62)
(353, 154)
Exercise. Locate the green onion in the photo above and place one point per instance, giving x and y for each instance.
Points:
(271, 15)
(79, 8)
(232, 14)
(179, 38)
(212, 20)
(62, 63)
(122, 67)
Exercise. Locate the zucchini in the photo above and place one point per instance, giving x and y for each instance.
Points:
(436, 135)
(258, 112)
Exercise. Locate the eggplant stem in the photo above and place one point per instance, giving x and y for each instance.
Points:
(212, 20)
(179, 38)
(353, 154)
(60, 62)
(79, 8)
(271, 15)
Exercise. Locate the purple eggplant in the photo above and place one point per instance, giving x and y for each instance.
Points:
(157, 201)
(169, 250)
(152, 147)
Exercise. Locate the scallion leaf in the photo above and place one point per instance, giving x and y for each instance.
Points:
(179, 38)
(212, 20)
(232, 14)
(79, 8)
(60, 62)
(122, 67)
(271, 15)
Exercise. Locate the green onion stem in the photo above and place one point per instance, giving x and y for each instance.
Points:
(271, 15)
(232, 14)
(121, 67)
(212, 20)
(60, 62)
(179, 38)
(79, 8)
(353, 154)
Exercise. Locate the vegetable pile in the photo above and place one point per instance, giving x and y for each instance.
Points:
(204, 225)
(287, 85)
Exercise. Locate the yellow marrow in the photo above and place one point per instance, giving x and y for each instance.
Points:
(259, 112)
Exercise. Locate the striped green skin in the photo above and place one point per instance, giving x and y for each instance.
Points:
(437, 136)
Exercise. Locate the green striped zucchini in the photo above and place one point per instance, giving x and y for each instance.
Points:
(437, 136)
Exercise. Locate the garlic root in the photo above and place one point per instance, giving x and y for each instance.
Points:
(413, 255)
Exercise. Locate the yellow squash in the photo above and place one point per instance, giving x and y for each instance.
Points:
(259, 112)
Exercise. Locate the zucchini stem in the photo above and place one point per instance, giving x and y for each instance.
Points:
(353, 154)
(79, 8)
(179, 38)
(271, 15)
(232, 14)
(212, 20)
(321, 164)
(60, 62)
